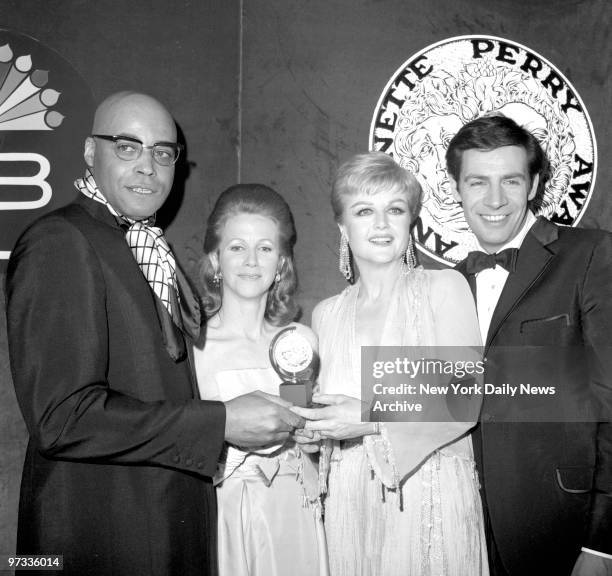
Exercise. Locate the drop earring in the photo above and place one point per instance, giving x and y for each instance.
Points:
(345, 258)
(409, 261)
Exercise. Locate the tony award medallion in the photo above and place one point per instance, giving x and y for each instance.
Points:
(293, 358)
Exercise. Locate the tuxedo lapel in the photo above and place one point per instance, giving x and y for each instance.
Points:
(534, 257)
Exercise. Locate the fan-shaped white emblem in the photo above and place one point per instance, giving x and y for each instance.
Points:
(24, 102)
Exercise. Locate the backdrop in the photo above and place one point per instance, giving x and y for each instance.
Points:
(281, 92)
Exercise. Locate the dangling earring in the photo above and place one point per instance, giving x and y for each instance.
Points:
(409, 261)
(345, 258)
(217, 278)
(280, 267)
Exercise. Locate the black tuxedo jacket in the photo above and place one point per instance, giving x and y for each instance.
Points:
(548, 485)
(115, 476)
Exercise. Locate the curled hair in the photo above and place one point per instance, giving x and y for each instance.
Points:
(495, 131)
(370, 173)
(261, 200)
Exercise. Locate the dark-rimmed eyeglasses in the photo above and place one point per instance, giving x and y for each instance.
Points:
(128, 148)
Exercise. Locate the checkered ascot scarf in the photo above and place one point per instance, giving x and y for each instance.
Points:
(158, 265)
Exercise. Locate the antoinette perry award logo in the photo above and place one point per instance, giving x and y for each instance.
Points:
(454, 81)
(45, 110)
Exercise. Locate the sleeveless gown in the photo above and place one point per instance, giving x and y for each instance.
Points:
(405, 502)
(266, 526)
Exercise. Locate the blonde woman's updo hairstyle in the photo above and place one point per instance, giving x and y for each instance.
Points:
(370, 173)
(261, 200)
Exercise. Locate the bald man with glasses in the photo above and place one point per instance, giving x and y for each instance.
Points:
(117, 471)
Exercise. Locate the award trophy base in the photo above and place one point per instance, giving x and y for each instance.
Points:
(298, 393)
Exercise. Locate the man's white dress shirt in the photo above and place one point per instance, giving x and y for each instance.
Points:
(490, 282)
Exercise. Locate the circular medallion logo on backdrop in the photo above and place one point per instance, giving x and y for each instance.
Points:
(452, 82)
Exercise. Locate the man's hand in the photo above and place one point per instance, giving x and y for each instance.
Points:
(259, 419)
(592, 565)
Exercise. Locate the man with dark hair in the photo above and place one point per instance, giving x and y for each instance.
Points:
(490, 132)
(117, 472)
(544, 300)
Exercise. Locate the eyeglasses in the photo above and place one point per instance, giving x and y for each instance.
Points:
(128, 148)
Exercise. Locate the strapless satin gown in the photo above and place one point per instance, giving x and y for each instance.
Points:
(265, 525)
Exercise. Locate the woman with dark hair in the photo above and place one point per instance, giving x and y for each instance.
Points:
(402, 496)
(249, 284)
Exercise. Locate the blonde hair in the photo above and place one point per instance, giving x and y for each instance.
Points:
(370, 173)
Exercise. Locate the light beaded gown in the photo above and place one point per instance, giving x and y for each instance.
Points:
(266, 524)
(432, 524)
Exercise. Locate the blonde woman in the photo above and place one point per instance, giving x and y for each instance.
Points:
(402, 497)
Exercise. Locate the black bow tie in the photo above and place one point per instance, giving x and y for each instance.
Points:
(478, 261)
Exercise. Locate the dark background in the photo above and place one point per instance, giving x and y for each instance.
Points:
(281, 92)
